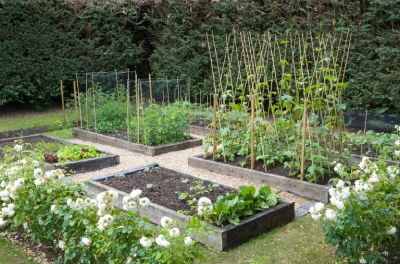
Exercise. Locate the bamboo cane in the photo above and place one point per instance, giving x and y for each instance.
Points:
(94, 105)
(303, 141)
(79, 100)
(215, 126)
(252, 152)
(62, 104)
(76, 105)
(137, 108)
(151, 91)
(86, 102)
(128, 132)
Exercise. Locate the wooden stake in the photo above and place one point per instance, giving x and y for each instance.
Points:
(86, 103)
(252, 152)
(76, 105)
(303, 141)
(79, 100)
(137, 108)
(127, 110)
(151, 91)
(116, 84)
(167, 90)
(94, 105)
(62, 104)
(215, 126)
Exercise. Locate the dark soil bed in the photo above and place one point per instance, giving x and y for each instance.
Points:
(277, 169)
(24, 132)
(163, 186)
(31, 140)
(124, 136)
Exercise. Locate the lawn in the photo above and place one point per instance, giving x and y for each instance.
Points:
(301, 241)
(50, 119)
(13, 254)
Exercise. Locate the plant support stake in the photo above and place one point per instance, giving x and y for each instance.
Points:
(62, 103)
(215, 125)
(303, 140)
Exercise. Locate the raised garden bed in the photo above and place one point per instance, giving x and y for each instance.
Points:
(90, 164)
(302, 188)
(163, 189)
(199, 130)
(140, 148)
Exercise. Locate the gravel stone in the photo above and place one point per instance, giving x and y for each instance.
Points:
(178, 161)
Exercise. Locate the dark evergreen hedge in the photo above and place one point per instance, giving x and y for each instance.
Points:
(42, 42)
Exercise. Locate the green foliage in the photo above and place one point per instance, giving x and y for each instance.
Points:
(76, 152)
(162, 124)
(43, 42)
(365, 226)
(248, 201)
(60, 214)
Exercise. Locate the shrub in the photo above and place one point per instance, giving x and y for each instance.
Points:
(84, 229)
(364, 225)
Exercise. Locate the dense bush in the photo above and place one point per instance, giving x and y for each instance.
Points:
(84, 229)
(45, 41)
(364, 225)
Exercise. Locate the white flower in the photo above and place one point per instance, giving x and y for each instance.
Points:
(144, 201)
(145, 242)
(61, 244)
(53, 208)
(4, 195)
(105, 221)
(344, 193)
(174, 232)
(316, 216)
(86, 241)
(332, 192)
(340, 184)
(25, 226)
(391, 230)
(128, 203)
(364, 163)
(38, 182)
(162, 242)
(397, 143)
(69, 202)
(339, 169)
(35, 163)
(166, 221)
(385, 253)
(135, 194)
(38, 173)
(393, 172)
(397, 153)
(362, 261)
(319, 207)
(18, 183)
(204, 206)
(2, 222)
(3, 184)
(330, 214)
(373, 179)
(18, 147)
(336, 202)
(188, 241)
(49, 174)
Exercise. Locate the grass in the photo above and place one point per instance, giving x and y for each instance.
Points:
(13, 254)
(301, 241)
(63, 134)
(51, 119)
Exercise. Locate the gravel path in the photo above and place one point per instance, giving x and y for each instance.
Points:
(177, 160)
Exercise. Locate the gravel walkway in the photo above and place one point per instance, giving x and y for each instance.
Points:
(177, 160)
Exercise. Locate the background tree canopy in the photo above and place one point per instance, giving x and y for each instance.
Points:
(42, 42)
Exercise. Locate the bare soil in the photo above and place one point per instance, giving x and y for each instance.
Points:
(278, 169)
(163, 186)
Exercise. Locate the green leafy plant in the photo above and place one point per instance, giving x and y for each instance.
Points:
(364, 222)
(77, 152)
(232, 207)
